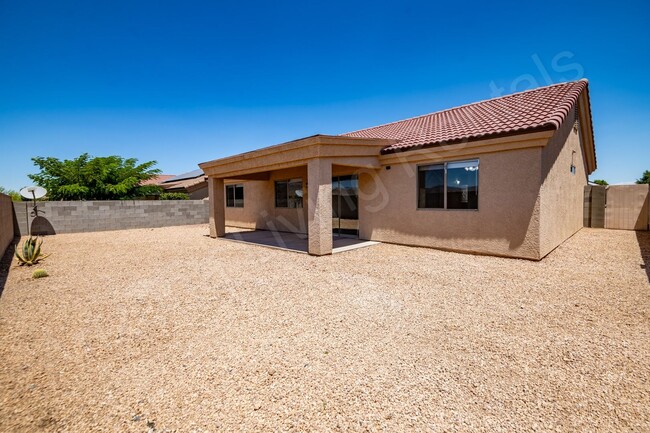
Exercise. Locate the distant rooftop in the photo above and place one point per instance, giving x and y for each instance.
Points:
(157, 180)
(189, 175)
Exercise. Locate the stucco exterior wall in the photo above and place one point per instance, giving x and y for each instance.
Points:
(251, 216)
(199, 194)
(529, 201)
(562, 192)
(6, 222)
(259, 211)
(506, 223)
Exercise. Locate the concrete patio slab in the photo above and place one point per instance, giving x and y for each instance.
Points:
(292, 241)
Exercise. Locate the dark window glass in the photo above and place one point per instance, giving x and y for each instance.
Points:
(288, 193)
(462, 185)
(336, 191)
(230, 196)
(431, 186)
(281, 193)
(239, 195)
(294, 193)
(235, 195)
(348, 191)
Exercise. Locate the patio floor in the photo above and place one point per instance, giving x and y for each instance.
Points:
(292, 241)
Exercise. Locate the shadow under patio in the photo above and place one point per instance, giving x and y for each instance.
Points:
(295, 242)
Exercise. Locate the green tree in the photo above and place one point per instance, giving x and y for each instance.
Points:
(645, 178)
(601, 182)
(95, 178)
(15, 195)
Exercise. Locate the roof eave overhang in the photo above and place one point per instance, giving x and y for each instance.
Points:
(587, 130)
(363, 152)
(470, 148)
(474, 139)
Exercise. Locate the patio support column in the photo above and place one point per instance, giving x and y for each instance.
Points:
(319, 195)
(216, 193)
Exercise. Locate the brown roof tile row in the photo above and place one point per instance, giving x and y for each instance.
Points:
(544, 108)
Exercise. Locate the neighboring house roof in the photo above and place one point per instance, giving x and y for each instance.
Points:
(189, 175)
(186, 182)
(157, 180)
(540, 109)
(187, 185)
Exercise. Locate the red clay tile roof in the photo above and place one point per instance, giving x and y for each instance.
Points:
(540, 109)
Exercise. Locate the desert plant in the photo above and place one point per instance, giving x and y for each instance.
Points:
(31, 252)
(39, 273)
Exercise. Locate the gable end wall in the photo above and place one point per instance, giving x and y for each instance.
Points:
(562, 193)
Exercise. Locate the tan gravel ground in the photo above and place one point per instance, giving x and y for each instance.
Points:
(169, 330)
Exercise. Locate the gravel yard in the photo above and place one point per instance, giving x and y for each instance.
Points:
(169, 330)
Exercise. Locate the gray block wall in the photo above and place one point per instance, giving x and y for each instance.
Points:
(90, 216)
(594, 206)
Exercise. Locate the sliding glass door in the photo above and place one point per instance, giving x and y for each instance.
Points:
(345, 206)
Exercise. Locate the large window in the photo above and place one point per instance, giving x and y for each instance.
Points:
(452, 185)
(235, 195)
(288, 193)
(431, 186)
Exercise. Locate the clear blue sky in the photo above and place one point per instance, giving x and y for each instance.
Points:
(183, 82)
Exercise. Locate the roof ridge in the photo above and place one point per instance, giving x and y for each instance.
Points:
(566, 104)
(474, 103)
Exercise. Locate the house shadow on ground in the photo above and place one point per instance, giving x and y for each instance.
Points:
(5, 263)
(643, 238)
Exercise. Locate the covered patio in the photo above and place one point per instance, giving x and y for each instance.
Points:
(316, 159)
(294, 241)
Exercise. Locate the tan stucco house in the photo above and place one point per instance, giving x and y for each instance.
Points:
(503, 177)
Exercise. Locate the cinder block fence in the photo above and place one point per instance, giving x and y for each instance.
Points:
(621, 207)
(90, 216)
(614, 207)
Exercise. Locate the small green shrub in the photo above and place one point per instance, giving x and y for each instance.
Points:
(39, 273)
(31, 252)
(15, 195)
(174, 196)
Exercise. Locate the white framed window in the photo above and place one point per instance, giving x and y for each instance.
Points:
(449, 185)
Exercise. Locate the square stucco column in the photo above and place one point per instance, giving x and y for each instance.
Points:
(216, 193)
(319, 194)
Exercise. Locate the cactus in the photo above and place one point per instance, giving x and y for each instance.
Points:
(39, 273)
(31, 252)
